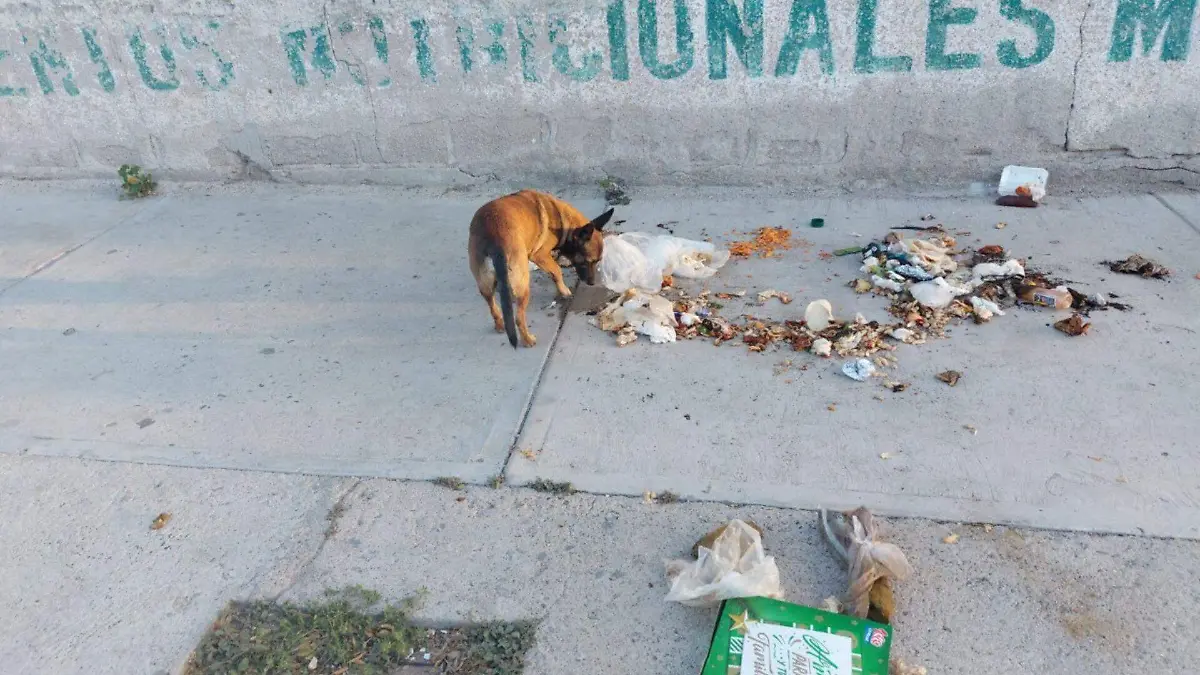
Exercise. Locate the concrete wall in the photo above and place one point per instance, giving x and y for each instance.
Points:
(676, 91)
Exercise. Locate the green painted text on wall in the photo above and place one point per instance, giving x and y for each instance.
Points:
(654, 37)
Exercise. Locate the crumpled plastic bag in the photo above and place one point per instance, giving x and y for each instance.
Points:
(640, 260)
(735, 567)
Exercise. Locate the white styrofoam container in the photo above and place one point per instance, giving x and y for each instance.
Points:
(1015, 176)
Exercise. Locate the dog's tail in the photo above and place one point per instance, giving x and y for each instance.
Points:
(500, 265)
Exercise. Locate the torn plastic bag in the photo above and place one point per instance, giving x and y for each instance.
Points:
(639, 260)
(650, 315)
(735, 567)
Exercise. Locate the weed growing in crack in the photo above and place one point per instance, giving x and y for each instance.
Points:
(134, 183)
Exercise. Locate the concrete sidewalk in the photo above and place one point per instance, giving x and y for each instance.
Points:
(213, 340)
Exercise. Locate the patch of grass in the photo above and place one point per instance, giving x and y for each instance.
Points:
(451, 482)
(337, 635)
(497, 481)
(553, 487)
(666, 497)
(340, 636)
(134, 183)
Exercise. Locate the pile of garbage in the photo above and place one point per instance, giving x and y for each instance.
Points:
(930, 281)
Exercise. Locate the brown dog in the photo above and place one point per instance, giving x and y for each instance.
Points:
(510, 232)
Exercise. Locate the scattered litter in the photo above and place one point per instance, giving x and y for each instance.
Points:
(985, 309)
(735, 566)
(1122, 479)
(69, 331)
(1074, 326)
(818, 315)
(1023, 181)
(1140, 265)
(817, 222)
(902, 334)
(886, 284)
(145, 422)
(832, 407)
(861, 286)
(848, 251)
(161, 521)
(635, 312)
(936, 294)
(312, 663)
(912, 272)
(639, 260)
(971, 428)
(767, 241)
(951, 538)
(764, 296)
(950, 377)
(529, 454)
(898, 387)
(1095, 459)
(991, 251)
(989, 270)
(885, 455)
(1058, 298)
(822, 347)
(860, 369)
(872, 565)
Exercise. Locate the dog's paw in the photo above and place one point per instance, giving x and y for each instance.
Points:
(529, 340)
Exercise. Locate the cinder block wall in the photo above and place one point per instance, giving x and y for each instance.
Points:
(825, 92)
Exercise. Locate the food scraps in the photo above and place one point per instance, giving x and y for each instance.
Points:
(1140, 265)
(950, 377)
(764, 296)
(161, 521)
(767, 242)
(1074, 326)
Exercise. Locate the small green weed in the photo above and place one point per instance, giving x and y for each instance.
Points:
(667, 497)
(614, 191)
(497, 481)
(553, 487)
(451, 482)
(134, 183)
(498, 648)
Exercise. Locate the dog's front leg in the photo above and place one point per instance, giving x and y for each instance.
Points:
(545, 260)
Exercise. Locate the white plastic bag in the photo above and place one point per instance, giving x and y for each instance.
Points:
(735, 567)
(640, 260)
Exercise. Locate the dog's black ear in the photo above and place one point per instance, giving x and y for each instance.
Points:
(601, 220)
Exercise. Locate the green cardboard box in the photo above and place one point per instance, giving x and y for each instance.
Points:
(761, 636)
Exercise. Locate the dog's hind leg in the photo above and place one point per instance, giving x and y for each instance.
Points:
(485, 279)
